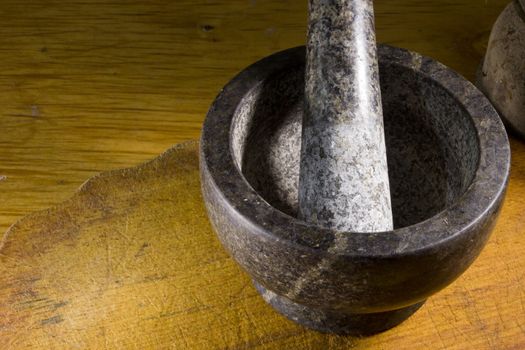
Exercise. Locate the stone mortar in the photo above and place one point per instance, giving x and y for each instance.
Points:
(448, 157)
(502, 75)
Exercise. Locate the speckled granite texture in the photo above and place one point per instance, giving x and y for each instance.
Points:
(502, 76)
(343, 174)
(449, 160)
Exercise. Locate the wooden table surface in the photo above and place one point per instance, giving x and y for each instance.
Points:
(89, 86)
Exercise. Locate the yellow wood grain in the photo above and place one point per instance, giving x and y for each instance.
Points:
(89, 85)
(92, 85)
(131, 262)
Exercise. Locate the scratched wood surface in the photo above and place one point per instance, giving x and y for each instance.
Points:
(130, 262)
(90, 85)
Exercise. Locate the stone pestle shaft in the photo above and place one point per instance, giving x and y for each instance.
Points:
(344, 182)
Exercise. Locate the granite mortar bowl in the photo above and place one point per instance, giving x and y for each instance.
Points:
(449, 160)
(502, 73)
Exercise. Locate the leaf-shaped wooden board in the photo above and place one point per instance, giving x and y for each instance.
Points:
(130, 261)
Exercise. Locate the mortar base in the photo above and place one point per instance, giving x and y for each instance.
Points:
(337, 322)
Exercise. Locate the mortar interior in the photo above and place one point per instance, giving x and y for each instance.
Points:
(432, 145)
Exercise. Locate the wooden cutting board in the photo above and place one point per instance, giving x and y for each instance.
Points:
(131, 262)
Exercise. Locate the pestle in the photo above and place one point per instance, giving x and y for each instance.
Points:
(344, 182)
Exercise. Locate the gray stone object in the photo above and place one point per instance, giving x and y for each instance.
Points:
(449, 160)
(343, 181)
(502, 76)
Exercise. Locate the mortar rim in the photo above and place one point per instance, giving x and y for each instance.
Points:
(484, 195)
